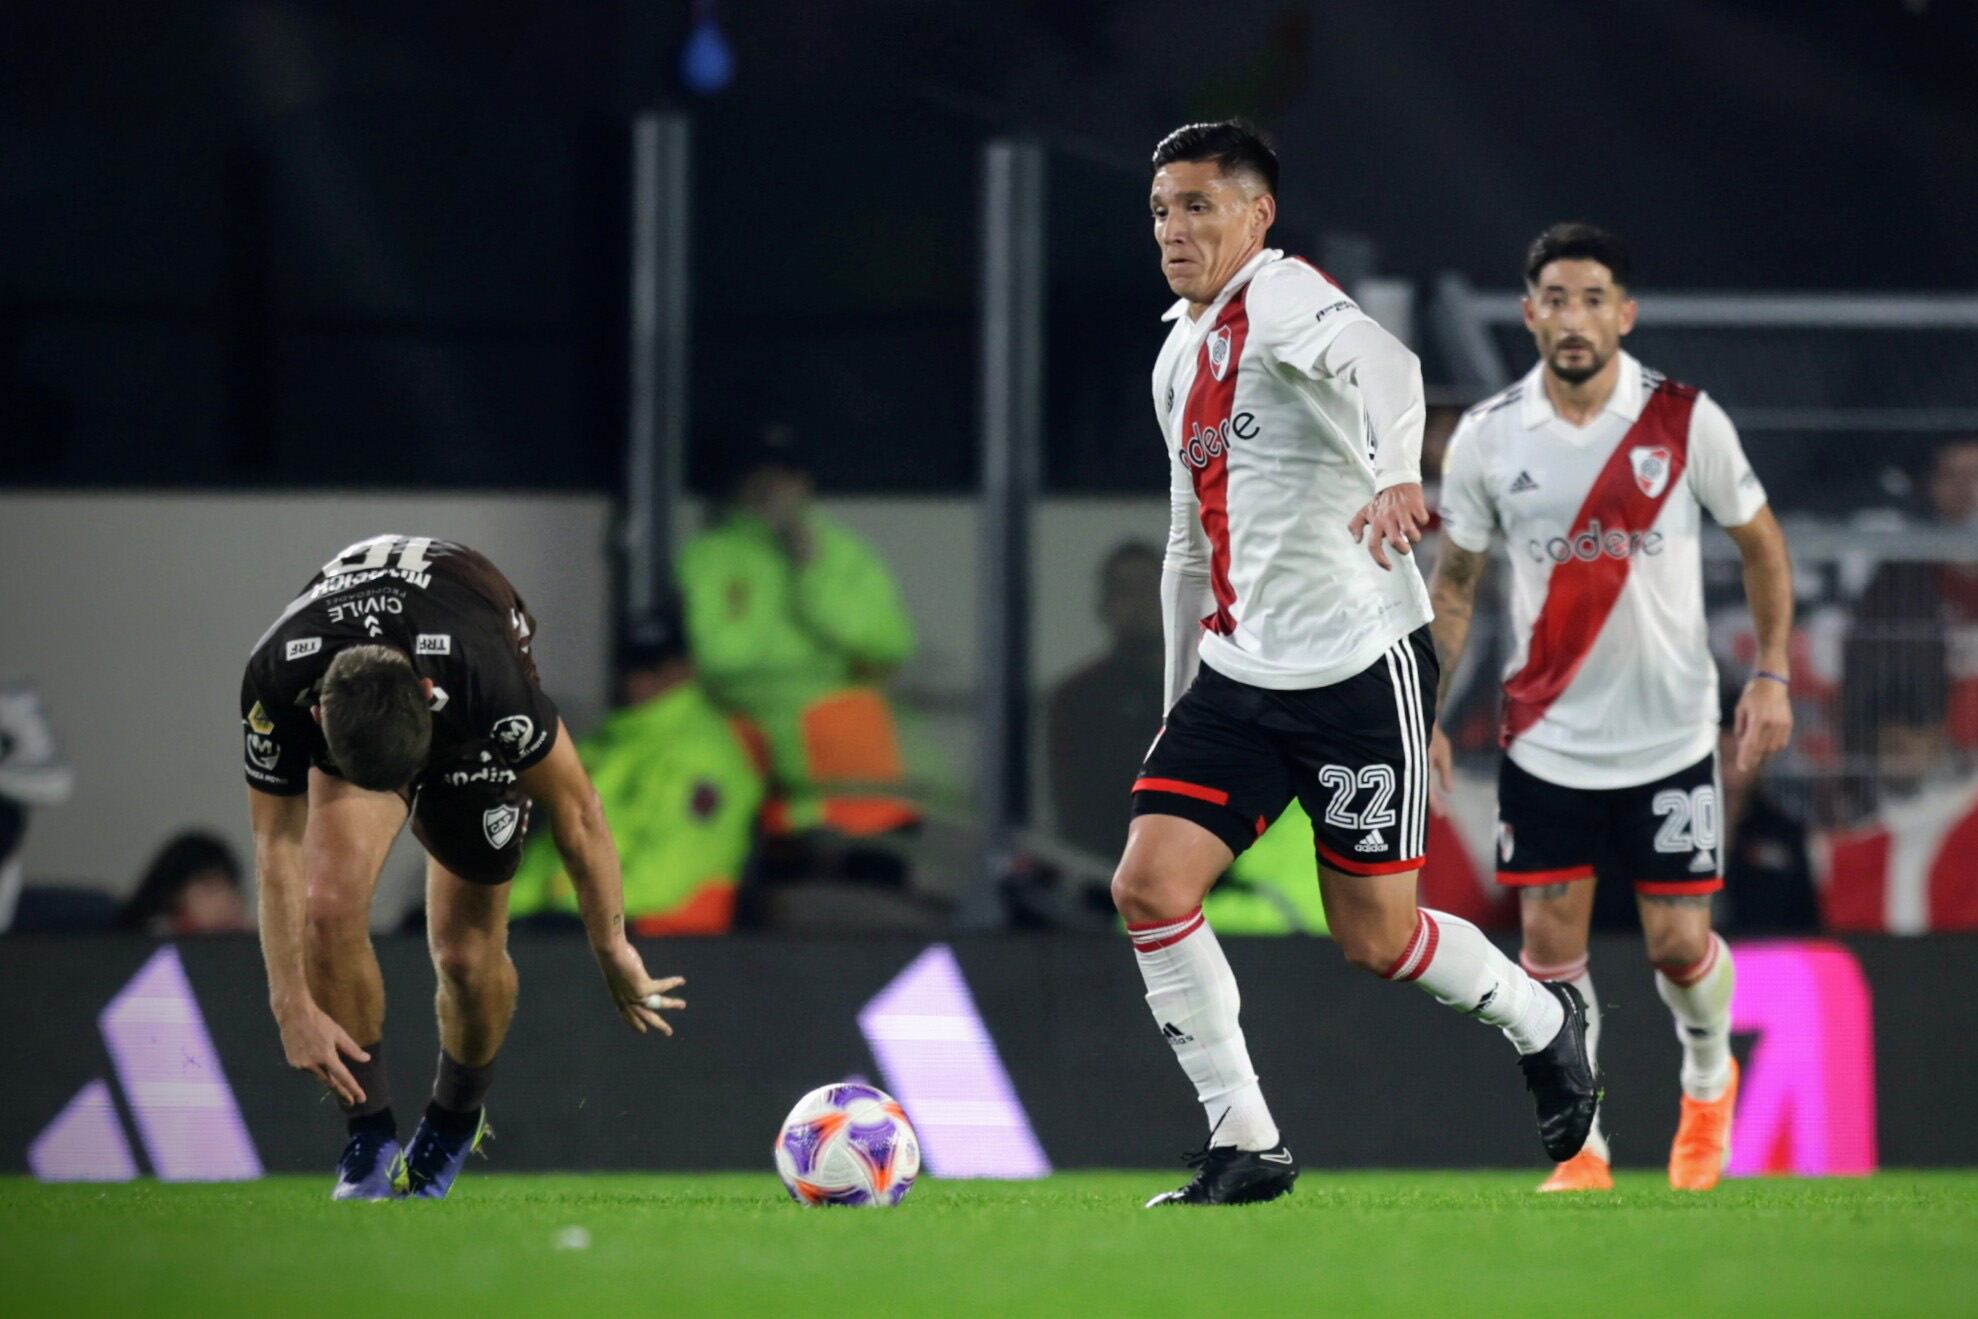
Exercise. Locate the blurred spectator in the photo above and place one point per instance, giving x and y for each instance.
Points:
(793, 621)
(680, 792)
(193, 886)
(1099, 720)
(1768, 877)
(31, 774)
(1910, 667)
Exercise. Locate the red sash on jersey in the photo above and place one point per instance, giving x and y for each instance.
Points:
(1205, 445)
(1582, 591)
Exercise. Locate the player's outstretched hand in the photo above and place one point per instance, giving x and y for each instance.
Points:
(1442, 760)
(1764, 722)
(639, 997)
(1399, 517)
(315, 1044)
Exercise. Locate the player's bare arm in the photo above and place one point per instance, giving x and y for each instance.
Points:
(1453, 594)
(1765, 711)
(562, 789)
(311, 1040)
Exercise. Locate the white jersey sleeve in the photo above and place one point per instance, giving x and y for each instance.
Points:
(1719, 473)
(1307, 323)
(1296, 313)
(1186, 596)
(1469, 517)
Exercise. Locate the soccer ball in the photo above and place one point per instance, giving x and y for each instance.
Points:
(848, 1144)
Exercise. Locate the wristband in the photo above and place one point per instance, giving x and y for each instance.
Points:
(1781, 679)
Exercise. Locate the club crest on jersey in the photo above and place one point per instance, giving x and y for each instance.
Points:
(498, 824)
(1219, 353)
(1651, 469)
(263, 751)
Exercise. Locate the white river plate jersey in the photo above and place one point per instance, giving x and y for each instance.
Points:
(1268, 462)
(1611, 683)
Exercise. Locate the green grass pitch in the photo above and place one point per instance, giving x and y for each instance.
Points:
(1423, 1244)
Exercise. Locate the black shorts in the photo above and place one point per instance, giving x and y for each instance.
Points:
(1662, 837)
(1355, 755)
(471, 815)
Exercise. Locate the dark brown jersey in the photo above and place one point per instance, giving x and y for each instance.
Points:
(449, 609)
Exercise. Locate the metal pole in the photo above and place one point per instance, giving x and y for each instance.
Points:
(1012, 437)
(656, 439)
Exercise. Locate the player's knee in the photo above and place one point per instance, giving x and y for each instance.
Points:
(1129, 892)
(336, 916)
(468, 960)
(1677, 947)
(1374, 948)
(1140, 893)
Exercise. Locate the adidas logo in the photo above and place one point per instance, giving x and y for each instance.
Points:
(1373, 842)
(174, 1091)
(1703, 863)
(1523, 483)
(1175, 1034)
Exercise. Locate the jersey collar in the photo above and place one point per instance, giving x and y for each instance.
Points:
(1535, 407)
(1236, 281)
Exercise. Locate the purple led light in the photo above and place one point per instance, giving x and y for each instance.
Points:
(85, 1142)
(1807, 1102)
(941, 1064)
(171, 1077)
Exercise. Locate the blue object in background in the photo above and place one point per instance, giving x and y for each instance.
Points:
(707, 65)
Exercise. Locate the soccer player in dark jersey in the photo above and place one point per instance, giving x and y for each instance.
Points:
(400, 683)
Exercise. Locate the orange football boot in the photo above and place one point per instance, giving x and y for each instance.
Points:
(1585, 1171)
(1703, 1139)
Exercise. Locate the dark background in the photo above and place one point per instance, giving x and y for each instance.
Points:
(291, 243)
(1359, 1073)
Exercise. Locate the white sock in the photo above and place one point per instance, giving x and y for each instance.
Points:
(1193, 995)
(1700, 997)
(1463, 970)
(1579, 977)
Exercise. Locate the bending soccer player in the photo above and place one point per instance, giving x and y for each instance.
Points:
(400, 682)
(1596, 472)
(1293, 426)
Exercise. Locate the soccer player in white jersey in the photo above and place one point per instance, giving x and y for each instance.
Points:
(1293, 425)
(1595, 472)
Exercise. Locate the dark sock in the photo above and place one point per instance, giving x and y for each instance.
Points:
(372, 1079)
(452, 1122)
(461, 1088)
(381, 1122)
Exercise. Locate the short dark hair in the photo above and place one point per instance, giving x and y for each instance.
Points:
(1231, 143)
(165, 879)
(375, 717)
(1576, 241)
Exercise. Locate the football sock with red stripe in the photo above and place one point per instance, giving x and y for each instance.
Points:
(1193, 995)
(1580, 977)
(1699, 996)
(1451, 959)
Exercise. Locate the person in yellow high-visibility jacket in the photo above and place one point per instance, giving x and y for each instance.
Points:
(681, 794)
(793, 620)
(1273, 888)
